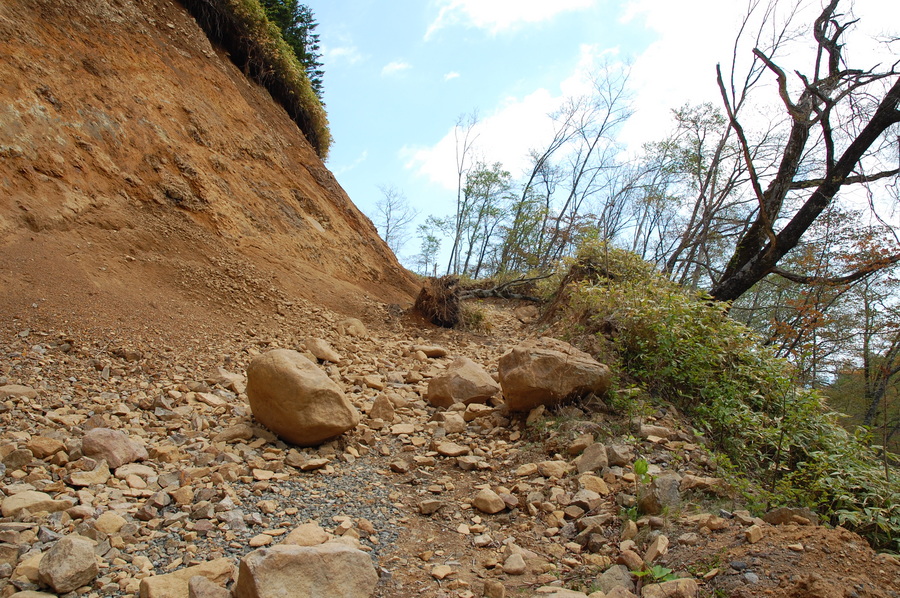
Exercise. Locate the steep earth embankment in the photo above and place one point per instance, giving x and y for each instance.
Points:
(144, 180)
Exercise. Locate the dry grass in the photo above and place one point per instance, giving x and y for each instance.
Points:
(256, 46)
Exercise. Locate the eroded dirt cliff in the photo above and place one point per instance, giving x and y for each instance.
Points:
(144, 178)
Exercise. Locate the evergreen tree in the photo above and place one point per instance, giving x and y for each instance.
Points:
(298, 25)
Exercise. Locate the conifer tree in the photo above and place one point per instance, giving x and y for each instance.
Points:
(298, 25)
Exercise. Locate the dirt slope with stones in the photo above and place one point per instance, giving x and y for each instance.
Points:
(456, 502)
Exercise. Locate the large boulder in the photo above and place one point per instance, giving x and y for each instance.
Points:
(70, 564)
(330, 570)
(292, 397)
(464, 382)
(547, 371)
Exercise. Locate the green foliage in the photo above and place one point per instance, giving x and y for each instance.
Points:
(656, 573)
(682, 347)
(298, 26)
(256, 45)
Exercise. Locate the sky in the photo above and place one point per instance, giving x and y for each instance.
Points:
(400, 73)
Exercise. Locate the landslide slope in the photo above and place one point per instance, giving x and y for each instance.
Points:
(145, 179)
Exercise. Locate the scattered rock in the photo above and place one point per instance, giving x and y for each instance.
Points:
(464, 382)
(488, 501)
(33, 501)
(515, 564)
(547, 371)
(322, 350)
(677, 588)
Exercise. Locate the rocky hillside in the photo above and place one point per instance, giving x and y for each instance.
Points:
(145, 179)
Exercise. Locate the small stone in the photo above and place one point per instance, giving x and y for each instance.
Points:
(431, 350)
(42, 447)
(99, 475)
(515, 564)
(308, 534)
(109, 523)
(553, 469)
(322, 350)
(494, 589)
(631, 559)
(454, 423)
(33, 501)
(383, 409)
(218, 571)
(593, 459)
(580, 443)
(260, 540)
(677, 588)
(441, 571)
(235, 433)
(527, 469)
(488, 501)
(753, 534)
(200, 587)
(657, 548)
(451, 449)
(429, 506)
(314, 464)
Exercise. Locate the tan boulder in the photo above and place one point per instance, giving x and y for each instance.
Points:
(69, 564)
(307, 534)
(295, 399)
(331, 570)
(175, 584)
(464, 382)
(34, 501)
(547, 371)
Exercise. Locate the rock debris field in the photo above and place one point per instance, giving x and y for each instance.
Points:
(130, 467)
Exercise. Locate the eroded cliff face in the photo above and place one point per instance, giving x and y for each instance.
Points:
(139, 166)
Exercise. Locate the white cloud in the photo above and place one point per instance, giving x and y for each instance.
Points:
(395, 67)
(500, 15)
(693, 35)
(345, 54)
(348, 167)
(451, 75)
(509, 132)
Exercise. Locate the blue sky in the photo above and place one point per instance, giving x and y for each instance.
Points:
(399, 73)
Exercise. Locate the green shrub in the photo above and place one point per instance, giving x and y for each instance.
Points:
(682, 347)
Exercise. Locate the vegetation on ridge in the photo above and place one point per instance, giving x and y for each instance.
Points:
(257, 46)
(680, 346)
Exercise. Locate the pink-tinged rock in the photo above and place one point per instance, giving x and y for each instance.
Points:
(547, 371)
(112, 446)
